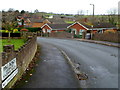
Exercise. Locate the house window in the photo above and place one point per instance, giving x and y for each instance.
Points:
(80, 32)
(43, 30)
(19, 23)
(100, 31)
(74, 30)
(48, 30)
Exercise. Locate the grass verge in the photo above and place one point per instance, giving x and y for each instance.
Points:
(16, 42)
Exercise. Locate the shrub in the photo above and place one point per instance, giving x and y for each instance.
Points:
(30, 29)
(109, 31)
(69, 30)
(2, 31)
(15, 30)
(5, 31)
(77, 36)
(34, 29)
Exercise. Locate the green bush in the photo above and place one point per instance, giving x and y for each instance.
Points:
(69, 30)
(33, 29)
(5, 31)
(17, 32)
(2, 31)
(77, 36)
(45, 35)
(30, 29)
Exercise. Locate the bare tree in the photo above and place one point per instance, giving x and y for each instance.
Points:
(9, 21)
(36, 11)
(10, 10)
(22, 12)
(81, 12)
(112, 11)
(112, 16)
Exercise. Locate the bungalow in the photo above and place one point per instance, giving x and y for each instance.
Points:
(56, 21)
(32, 22)
(20, 21)
(54, 27)
(78, 28)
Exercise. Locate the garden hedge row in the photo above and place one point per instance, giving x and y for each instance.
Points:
(31, 29)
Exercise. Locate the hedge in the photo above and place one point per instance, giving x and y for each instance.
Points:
(31, 29)
(77, 36)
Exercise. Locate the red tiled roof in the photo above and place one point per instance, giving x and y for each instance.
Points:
(37, 24)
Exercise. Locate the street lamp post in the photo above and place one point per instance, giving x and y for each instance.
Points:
(93, 9)
(92, 19)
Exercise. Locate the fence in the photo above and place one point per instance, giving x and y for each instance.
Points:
(111, 37)
(23, 56)
(11, 34)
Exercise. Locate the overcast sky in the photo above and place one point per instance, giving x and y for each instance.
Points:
(61, 6)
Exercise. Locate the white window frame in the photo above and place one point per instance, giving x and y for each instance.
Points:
(81, 31)
(43, 30)
(74, 30)
(48, 30)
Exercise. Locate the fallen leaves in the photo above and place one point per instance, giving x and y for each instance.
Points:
(82, 76)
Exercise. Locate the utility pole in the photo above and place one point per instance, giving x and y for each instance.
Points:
(93, 11)
(92, 20)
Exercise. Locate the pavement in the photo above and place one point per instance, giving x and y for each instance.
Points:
(101, 42)
(53, 70)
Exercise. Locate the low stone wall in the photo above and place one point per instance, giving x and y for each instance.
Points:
(23, 57)
(112, 37)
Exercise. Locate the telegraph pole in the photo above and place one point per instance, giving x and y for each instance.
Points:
(93, 11)
(92, 20)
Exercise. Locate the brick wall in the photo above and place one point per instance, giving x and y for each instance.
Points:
(60, 35)
(23, 56)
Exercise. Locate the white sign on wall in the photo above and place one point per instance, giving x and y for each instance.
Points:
(8, 71)
(9, 78)
(8, 68)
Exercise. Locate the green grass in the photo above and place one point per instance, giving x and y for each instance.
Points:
(69, 22)
(16, 42)
(49, 14)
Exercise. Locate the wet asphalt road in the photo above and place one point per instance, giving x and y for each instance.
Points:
(99, 62)
(53, 70)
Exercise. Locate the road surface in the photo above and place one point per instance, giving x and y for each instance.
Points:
(52, 71)
(99, 62)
